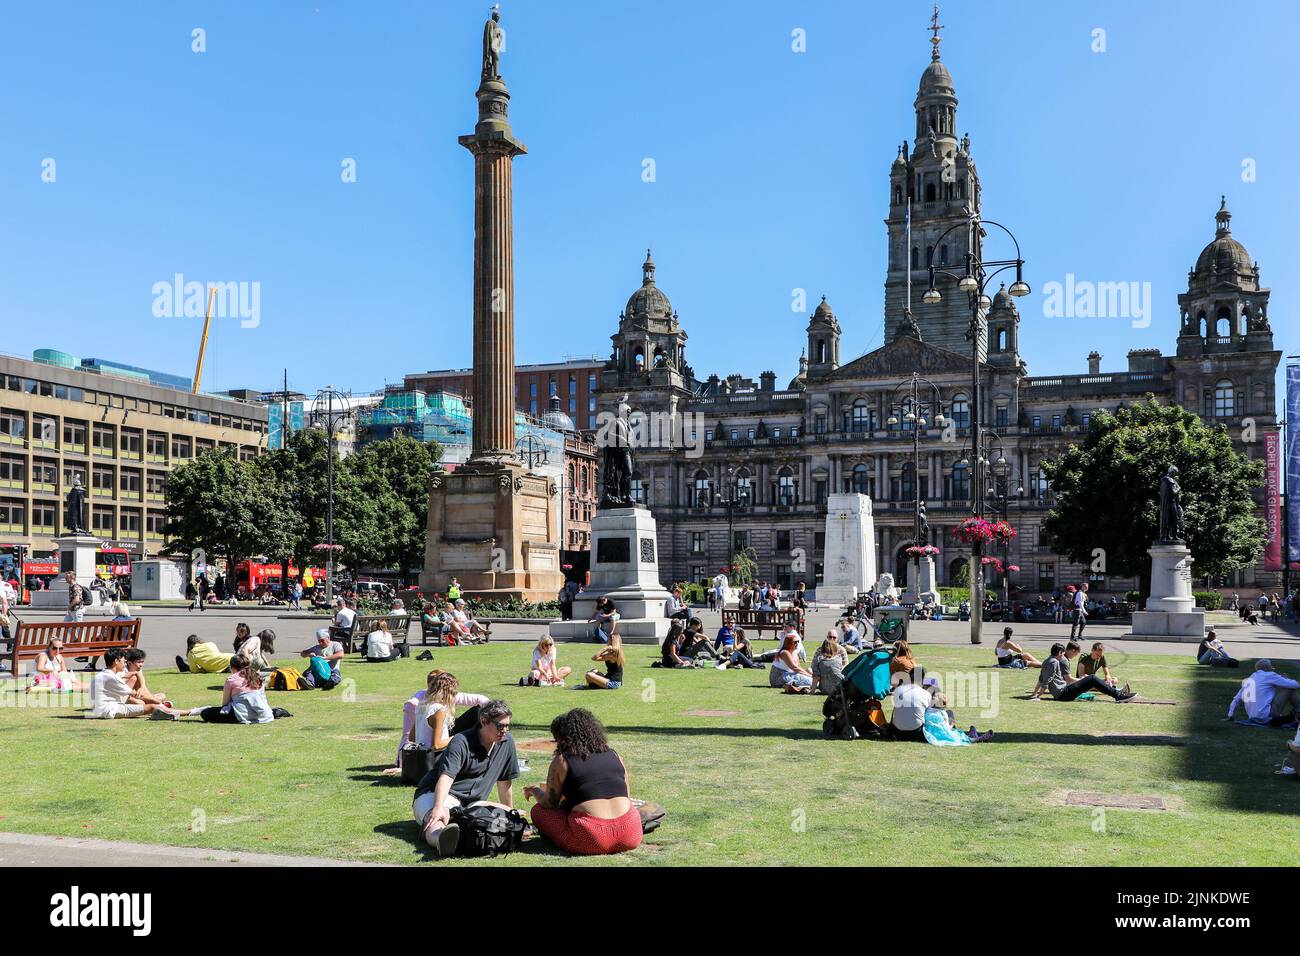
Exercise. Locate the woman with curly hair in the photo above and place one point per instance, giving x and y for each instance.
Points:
(584, 807)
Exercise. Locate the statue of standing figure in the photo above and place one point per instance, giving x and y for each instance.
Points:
(492, 37)
(1171, 508)
(74, 512)
(616, 464)
(924, 522)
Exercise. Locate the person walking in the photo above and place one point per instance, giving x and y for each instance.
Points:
(1079, 620)
(77, 598)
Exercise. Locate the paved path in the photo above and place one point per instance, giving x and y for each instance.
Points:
(25, 849)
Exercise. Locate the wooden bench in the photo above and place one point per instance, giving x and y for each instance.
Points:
(362, 625)
(80, 639)
(761, 621)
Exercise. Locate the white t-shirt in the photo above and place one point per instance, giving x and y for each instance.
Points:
(108, 691)
(6, 591)
(343, 617)
(379, 644)
(539, 657)
(428, 708)
(910, 702)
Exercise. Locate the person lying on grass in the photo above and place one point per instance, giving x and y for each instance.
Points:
(584, 806)
(941, 725)
(202, 657)
(1011, 654)
(464, 775)
(794, 677)
(1054, 678)
(435, 718)
(612, 656)
(51, 671)
(1094, 662)
(111, 696)
(544, 672)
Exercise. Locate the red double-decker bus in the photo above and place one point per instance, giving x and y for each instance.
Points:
(253, 577)
(113, 562)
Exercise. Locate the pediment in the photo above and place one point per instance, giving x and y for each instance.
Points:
(902, 357)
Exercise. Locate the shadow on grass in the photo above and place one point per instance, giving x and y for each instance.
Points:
(1238, 759)
(1019, 737)
(372, 775)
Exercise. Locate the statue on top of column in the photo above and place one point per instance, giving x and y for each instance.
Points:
(493, 38)
(1171, 508)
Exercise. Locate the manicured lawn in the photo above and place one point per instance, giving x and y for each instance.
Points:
(759, 787)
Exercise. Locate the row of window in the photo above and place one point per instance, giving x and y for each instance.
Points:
(107, 441)
(106, 520)
(31, 386)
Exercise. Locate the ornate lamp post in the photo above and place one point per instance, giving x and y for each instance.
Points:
(920, 403)
(332, 420)
(730, 499)
(999, 497)
(532, 452)
(974, 282)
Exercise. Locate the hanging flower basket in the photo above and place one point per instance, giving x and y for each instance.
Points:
(1013, 568)
(922, 551)
(974, 531)
(1003, 531)
(994, 563)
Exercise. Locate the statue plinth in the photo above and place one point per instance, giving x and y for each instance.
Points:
(492, 526)
(928, 593)
(1171, 612)
(625, 569)
(76, 554)
(849, 568)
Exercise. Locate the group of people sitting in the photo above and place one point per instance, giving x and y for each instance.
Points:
(584, 807)
(686, 645)
(456, 624)
(762, 596)
(545, 672)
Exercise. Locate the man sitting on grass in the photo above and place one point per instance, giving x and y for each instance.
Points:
(464, 774)
(1093, 662)
(329, 649)
(1055, 679)
(202, 657)
(1267, 697)
(111, 696)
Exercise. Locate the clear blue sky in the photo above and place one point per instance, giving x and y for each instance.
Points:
(772, 170)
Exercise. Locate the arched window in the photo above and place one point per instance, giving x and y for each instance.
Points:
(585, 473)
(961, 188)
(638, 358)
(1002, 340)
(638, 488)
(702, 491)
(660, 357)
(1203, 325)
(786, 490)
(1224, 406)
(929, 192)
(860, 417)
(1223, 324)
(571, 474)
(929, 253)
(907, 483)
(1244, 323)
(821, 351)
(861, 479)
(960, 411)
(916, 258)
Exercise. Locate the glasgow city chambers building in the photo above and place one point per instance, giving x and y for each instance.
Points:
(771, 456)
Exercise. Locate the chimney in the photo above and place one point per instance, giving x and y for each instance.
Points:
(767, 382)
(1094, 362)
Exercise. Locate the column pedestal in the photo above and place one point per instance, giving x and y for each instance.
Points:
(1171, 612)
(76, 554)
(849, 567)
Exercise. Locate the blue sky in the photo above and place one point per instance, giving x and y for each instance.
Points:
(771, 170)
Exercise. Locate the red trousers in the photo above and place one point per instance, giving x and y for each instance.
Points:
(583, 833)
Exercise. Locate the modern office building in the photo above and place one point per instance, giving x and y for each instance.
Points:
(574, 381)
(119, 433)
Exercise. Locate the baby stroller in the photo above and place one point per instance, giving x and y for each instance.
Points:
(854, 710)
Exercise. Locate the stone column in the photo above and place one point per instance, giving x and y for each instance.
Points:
(494, 148)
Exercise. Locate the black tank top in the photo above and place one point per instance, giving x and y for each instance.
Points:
(598, 777)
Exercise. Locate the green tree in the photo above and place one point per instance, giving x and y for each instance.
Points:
(221, 505)
(1107, 492)
(396, 473)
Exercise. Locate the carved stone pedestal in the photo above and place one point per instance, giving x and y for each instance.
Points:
(491, 526)
(1171, 612)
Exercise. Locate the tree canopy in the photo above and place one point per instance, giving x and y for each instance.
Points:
(1107, 492)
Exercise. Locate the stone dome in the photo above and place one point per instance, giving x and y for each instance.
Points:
(936, 79)
(1224, 255)
(1003, 301)
(649, 301)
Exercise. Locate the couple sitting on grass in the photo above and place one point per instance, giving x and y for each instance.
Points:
(921, 715)
(544, 672)
(584, 806)
(1093, 675)
(120, 691)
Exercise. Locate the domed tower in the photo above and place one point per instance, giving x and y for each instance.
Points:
(939, 182)
(1004, 330)
(823, 341)
(650, 342)
(1224, 307)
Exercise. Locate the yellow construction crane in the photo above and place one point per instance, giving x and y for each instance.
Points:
(203, 343)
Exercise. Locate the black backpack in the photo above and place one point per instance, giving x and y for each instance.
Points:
(488, 831)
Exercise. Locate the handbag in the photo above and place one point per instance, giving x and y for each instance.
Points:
(416, 762)
(488, 830)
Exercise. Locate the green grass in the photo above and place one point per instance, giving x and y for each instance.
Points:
(762, 787)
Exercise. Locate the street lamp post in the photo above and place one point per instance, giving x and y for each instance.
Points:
(917, 414)
(333, 419)
(974, 282)
(730, 499)
(999, 496)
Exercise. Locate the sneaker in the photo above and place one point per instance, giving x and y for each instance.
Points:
(521, 681)
(1285, 772)
(426, 656)
(1126, 689)
(448, 840)
(1124, 697)
(721, 666)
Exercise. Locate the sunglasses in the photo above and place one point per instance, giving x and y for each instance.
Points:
(504, 728)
